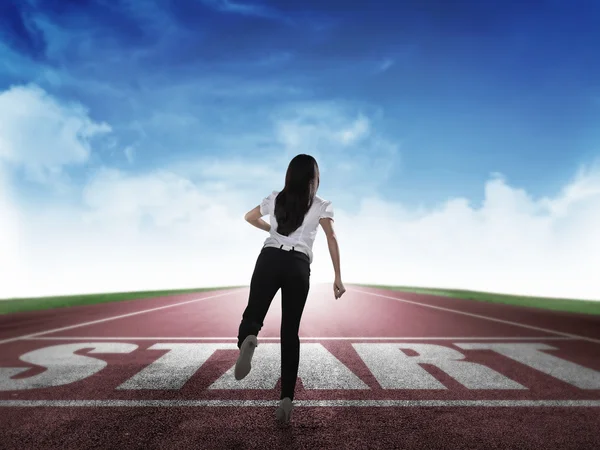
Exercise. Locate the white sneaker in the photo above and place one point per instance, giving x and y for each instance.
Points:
(243, 364)
(284, 410)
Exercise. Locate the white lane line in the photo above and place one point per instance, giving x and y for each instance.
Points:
(361, 338)
(479, 316)
(107, 319)
(298, 403)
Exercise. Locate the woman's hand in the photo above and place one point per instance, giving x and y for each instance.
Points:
(338, 288)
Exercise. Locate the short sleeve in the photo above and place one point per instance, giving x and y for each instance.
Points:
(266, 205)
(326, 210)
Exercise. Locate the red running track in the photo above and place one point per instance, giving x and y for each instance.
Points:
(379, 369)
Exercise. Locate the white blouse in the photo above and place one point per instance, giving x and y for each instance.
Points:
(303, 238)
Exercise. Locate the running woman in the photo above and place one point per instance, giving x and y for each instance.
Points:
(284, 262)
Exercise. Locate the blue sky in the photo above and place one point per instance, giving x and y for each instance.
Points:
(434, 97)
(465, 89)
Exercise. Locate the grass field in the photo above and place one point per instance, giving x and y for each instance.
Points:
(39, 303)
(558, 304)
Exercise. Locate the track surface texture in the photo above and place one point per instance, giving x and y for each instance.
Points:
(378, 369)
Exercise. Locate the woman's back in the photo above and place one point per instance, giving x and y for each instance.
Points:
(303, 237)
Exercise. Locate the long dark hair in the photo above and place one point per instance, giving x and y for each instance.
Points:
(296, 198)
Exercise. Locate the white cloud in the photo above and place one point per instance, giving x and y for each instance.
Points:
(234, 169)
(358, 130)
(183, 227)
(160, 230)
(149, 231)
(129, 153)
(41, 135)
(512, 243)
(320, 125)
(246, 9)
(342, 140)
(385, 65)
(9, 237)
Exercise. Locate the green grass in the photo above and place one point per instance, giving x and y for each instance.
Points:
(39, 303)
(558, 304)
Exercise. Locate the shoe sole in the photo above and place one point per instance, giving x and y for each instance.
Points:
(282, 415)
(244, 362)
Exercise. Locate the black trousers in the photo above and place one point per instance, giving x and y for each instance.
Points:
(289, 270)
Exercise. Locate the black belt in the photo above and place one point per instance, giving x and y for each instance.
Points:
(287, 248)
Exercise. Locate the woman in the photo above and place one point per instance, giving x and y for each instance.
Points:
(284, 262)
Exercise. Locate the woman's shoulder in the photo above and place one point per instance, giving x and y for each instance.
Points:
(320, 200)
